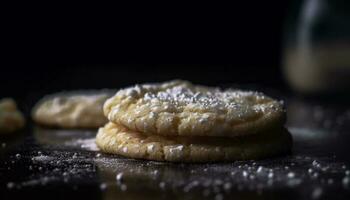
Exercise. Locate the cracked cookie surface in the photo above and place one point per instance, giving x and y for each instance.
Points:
(181, 108)
(76, 109)
(11, 119)
(116, 139)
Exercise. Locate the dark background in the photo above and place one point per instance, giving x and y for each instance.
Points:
(248, 35)
(241, 43)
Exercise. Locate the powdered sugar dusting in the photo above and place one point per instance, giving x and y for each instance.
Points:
(178, 94)
(87, 144)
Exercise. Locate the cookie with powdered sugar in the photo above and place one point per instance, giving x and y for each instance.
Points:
(11, 119)
(117, 139)
(75, 109)
(181, 108)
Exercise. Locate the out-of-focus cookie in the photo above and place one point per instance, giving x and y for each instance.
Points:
(77, 109)
(11, 119)
(117, 139)
(181, 108)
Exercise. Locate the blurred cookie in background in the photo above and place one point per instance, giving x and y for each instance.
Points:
(11, 119)
(75, 109)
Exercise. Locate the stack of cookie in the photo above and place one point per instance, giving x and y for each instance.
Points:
(181, 122)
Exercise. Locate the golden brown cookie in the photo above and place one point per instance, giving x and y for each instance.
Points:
(180, 108)
(11, 119)
(117, 139)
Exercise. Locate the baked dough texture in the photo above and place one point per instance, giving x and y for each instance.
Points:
(11, 119)
(77, 109)
(117, 139)
(179, 108)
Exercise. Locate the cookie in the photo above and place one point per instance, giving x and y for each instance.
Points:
(11, 119)
(117, 139)
(180, 108)
(78, 109)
